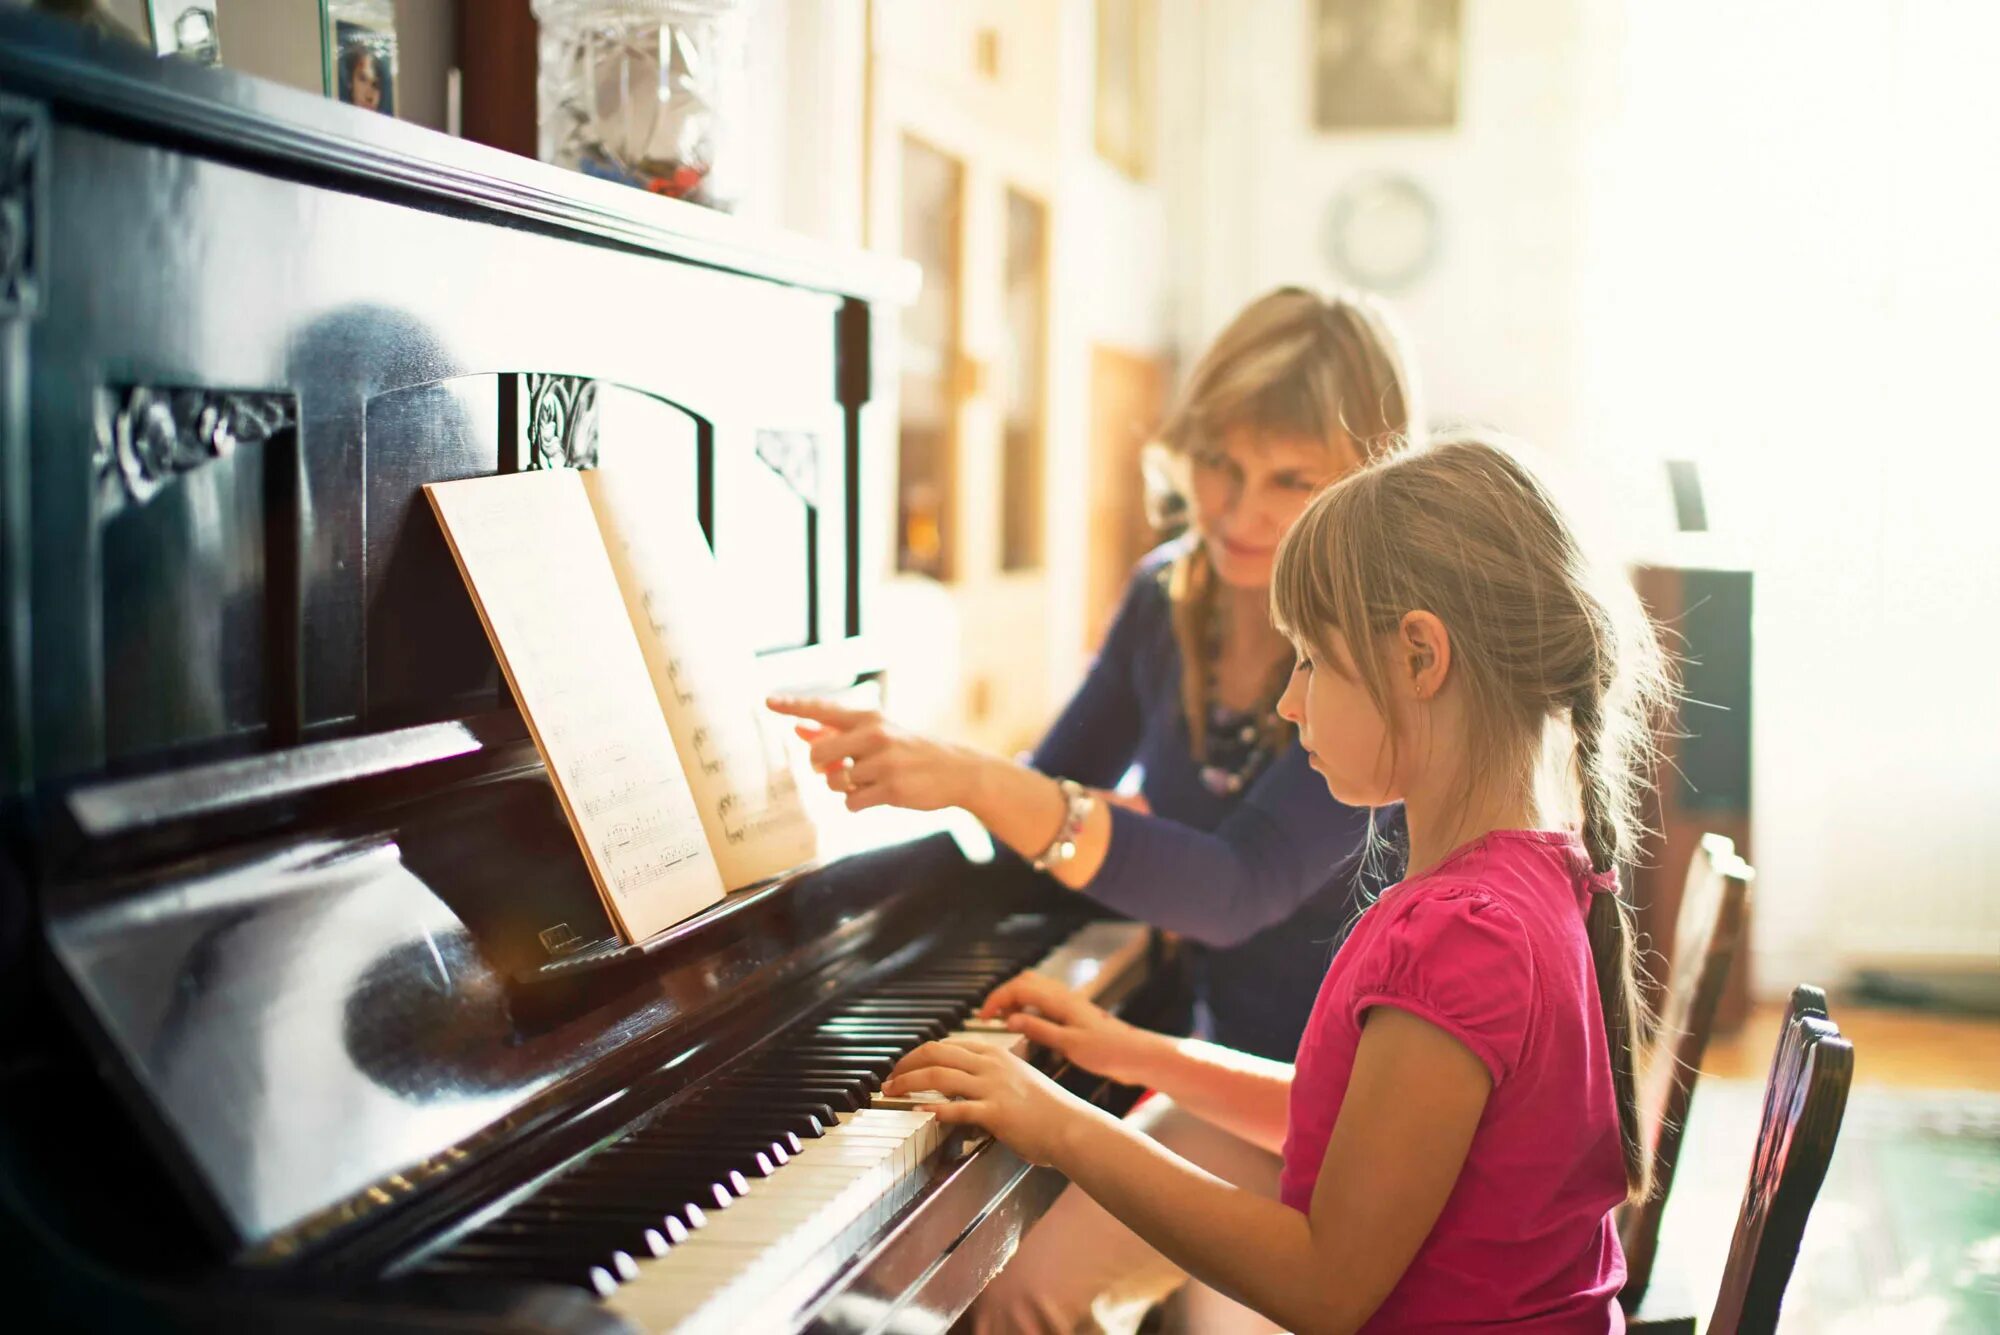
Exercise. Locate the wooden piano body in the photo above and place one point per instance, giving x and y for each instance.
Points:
(305, 981)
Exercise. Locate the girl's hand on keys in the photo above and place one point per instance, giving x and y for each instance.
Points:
(1046, 1012)
(996, 1091)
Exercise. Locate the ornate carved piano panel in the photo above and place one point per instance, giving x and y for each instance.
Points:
(318, 1021)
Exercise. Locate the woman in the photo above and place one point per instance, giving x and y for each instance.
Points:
(1232, 834)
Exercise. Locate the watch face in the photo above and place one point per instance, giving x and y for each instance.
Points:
(1382, 232)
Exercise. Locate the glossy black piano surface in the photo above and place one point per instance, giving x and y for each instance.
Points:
(310, 1019)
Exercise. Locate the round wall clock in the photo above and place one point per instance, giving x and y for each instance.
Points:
(1383, 232)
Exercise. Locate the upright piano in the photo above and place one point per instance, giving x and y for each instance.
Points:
(310, 1018)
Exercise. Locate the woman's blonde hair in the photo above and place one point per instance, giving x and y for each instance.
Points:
(1292, 363)
(1463, 530)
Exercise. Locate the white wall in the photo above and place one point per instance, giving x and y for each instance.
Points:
(1495, 322)
(1758, 234)
(1791, 279)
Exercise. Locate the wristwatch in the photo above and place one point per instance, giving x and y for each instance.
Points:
(1077, 802)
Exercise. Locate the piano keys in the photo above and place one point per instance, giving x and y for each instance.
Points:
(728, 1211)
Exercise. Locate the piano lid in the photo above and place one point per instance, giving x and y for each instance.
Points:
(315, 1026)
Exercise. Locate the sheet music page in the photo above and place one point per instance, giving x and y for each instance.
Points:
(745, 777)
(531, 554)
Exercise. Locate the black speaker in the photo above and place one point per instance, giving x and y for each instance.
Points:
(1714, 750)
(1702, 785)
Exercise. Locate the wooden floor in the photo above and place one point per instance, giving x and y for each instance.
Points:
(1899, 1048)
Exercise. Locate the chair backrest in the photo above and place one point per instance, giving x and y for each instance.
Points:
(1706, 937)
(1803, 1104)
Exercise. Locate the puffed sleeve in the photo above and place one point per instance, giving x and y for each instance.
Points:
(1459, 959)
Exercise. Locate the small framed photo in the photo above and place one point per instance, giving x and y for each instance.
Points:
(361, 53)
(1126, 98)
(185, 28)
(1385, 64)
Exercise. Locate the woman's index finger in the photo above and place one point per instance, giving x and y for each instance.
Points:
(823, 712)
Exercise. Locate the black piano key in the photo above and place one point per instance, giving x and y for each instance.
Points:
(844, 1047)
(775, 1118)
(674, 1225)
(808, 1071)
(779, 1148)
(903, 1036)
(856, 1084)
(596, 1278)
(615, 1235)
(751, 1161)
(842, 1097)
(554, 1252)
(697, 1177)
(636, 1192)
(947, 1012)
(666, 1165)
(869, 1055)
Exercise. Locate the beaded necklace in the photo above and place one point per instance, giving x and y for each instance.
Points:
(1237, 743)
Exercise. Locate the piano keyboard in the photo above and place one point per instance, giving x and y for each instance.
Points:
(707, 1217)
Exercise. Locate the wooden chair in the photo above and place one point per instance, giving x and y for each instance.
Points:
(1803, 1104)
(1713, 910)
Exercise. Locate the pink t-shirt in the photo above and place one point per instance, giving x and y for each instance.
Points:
(1489, 946)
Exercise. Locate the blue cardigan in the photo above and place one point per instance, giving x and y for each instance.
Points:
(1262, 884)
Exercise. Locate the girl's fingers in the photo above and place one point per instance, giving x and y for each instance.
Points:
(943, 1079)
(974, 1111)
(819, 711)
(1031, 989)
(943, 1052)
(1037, 1030)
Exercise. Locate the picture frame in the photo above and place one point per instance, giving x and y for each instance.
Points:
(1126, 87)
(186, 28)
(1385, 64)
(362, 59)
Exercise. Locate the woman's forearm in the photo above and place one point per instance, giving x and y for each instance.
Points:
(1023, 808)
(1251, 1247)
(1247, 1096)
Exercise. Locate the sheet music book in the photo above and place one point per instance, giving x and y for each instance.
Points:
(609, 621)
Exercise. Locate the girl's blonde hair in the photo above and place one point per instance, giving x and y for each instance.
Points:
(1463, 530)
(1292, 363)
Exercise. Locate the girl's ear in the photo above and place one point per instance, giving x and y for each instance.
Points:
(1424, 645)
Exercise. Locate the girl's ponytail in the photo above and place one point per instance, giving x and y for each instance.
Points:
(1613, 940)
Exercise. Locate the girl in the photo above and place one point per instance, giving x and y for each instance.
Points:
(1460, 1125)
(1233, 842)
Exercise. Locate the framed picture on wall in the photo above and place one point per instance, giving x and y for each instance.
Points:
(1126, 94)
(1385, 64)
(185, 28)
(361, 53)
